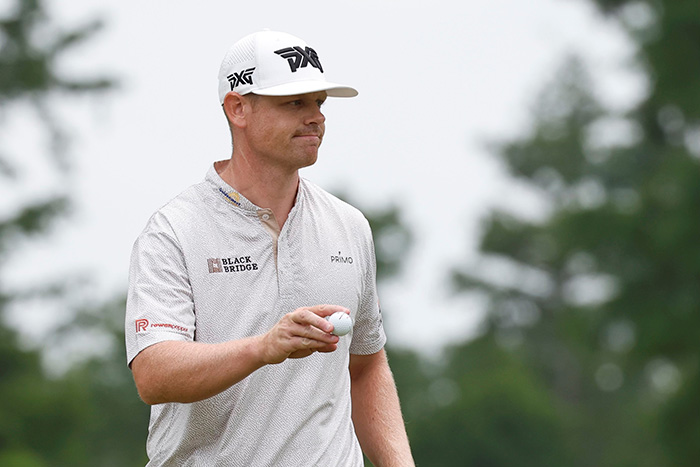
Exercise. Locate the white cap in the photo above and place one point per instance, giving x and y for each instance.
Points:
(272, 63)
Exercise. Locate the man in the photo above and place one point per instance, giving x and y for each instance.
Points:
(231, 282)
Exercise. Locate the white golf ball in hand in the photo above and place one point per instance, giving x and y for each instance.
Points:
(342, 323)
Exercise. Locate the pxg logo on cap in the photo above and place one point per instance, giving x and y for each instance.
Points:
(299, 58)
(243, 77)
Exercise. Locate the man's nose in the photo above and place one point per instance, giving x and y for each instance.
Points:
(316, 116)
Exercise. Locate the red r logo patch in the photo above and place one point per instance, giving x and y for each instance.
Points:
(141, 325)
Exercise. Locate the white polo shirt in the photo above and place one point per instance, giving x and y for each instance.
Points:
(211, 266)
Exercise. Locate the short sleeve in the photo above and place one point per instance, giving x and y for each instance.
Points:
(368, 330)
(160, 305)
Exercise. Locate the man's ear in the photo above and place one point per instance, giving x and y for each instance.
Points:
(235, 107)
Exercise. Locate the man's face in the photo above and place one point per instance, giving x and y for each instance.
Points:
(286, 131)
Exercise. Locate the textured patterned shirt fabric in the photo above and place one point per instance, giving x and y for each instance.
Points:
(210, 266)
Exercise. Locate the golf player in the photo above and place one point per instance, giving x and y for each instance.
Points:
(231, 281)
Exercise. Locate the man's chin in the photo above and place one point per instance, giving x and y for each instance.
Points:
(309, 161)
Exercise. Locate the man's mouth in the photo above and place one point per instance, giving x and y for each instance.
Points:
(309, 136)
(310, 132)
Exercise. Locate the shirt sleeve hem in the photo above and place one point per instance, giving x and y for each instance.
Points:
(146, 340)
(368, 348)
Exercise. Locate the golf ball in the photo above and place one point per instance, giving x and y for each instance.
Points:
(342, 323)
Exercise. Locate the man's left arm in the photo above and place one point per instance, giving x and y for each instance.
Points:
(376, 412)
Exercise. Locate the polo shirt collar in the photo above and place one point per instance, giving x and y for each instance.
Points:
(227, 193)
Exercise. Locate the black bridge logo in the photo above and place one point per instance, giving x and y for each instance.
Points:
(242, 77)
(300, 58)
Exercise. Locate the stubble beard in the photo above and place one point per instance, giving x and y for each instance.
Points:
(310, 153)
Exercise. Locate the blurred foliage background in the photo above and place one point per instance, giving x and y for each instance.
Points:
(589, 351)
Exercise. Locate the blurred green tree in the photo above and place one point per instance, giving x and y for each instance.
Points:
(597, 300)
(91, 415)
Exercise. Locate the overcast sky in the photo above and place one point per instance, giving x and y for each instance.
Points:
(436, 80)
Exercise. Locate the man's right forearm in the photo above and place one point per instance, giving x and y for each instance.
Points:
(177, 371)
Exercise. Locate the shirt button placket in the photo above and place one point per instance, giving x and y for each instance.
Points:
(282, 271)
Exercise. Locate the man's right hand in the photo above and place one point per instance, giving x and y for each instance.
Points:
(300, 333)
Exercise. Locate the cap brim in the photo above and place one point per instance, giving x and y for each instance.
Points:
(305, 87)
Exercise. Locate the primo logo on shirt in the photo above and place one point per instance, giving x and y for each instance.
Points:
(339, 258)
(237, 264)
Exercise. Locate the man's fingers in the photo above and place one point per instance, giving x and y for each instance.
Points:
(306, 322)
(305, 353)
(307, 330)
(327, 310)
(300, 353)
(315, 316)
(300, 333)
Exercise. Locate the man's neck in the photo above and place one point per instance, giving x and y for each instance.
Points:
(274, 190)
